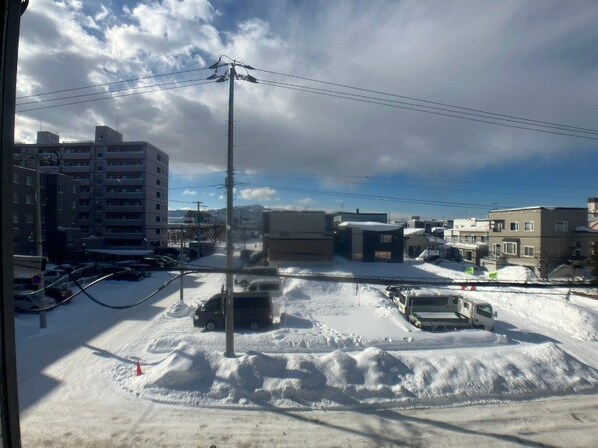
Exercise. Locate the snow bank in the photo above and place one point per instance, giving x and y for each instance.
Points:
(191, 376)
(515, 274)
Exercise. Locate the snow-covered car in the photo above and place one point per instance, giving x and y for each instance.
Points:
(53, 275)
(391, 290)
(31, 303)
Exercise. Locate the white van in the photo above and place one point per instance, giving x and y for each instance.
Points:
(273, 286)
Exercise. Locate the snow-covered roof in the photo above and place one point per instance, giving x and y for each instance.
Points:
(370, 225)
(536, 207)
(411, 231)
(585, 229)
(474, 246)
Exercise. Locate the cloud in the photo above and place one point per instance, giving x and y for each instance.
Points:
(534, 60)
(189, 192)
(258, 194)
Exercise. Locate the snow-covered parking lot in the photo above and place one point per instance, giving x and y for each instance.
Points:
(335, 346)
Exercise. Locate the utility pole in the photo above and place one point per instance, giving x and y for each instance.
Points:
(39, 251)
(230, 184)
(229, 321)
(197, 219)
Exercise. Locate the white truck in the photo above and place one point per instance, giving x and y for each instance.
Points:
(441, 312)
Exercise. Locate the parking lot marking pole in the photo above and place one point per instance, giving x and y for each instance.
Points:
(181, 264)
(229, 321)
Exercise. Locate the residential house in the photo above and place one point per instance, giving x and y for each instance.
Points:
(540, 238)
(470, 237)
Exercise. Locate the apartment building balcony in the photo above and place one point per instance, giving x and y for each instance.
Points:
(123, 195)
(68, 156)
(129, 155)
(124, 208)
(123, 222)
(124, 168)
(125, 182)
(109, 235)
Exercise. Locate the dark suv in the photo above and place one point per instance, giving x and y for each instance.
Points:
(250, 309)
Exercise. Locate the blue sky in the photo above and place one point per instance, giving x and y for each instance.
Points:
(314, 150)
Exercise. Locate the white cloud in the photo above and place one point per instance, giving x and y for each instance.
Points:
(258, 194)
(529, 59)
(189, 192)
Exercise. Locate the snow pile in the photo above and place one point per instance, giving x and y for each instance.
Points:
(189, 375)
(551, 310)
(515, 274)
(179, 310)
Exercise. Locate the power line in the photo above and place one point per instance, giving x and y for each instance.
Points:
(382, 102)
(378, 198)
(113, 97)
(428, 101)
(444, 109)
(124, 89)
(92, 86)
(419, 187)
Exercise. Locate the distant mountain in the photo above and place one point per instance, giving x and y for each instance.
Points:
(241, 213)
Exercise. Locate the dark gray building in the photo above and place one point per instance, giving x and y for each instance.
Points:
(370, 241)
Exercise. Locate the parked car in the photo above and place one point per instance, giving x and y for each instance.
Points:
(154, 262)
(273, 286)
(31, 302)
(249, 274)
(53, 275)
(59, 294)
(250, 309)
(129, 275)
(169, 262)
(169, 251)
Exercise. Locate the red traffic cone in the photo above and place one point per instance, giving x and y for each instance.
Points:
(139, 372)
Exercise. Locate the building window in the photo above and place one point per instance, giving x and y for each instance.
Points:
(60, 189)
(386, 238)
(29, 199)
(158, 182)
(514, 227)
(15, 218)
(157, 231)
(158, 169)
(29, 218)
(159, 157)
(15, 198)
(529, 251)
(158, 194)
(157, 219)
(29, 179)
(100, 168)
(15, 178)
(157, 206)
(561, 226)
(99, 155)
(509, 248)
(528, 226)
(496, 249)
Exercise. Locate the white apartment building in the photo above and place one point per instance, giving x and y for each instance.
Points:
(123, 185)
